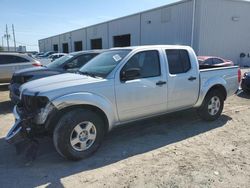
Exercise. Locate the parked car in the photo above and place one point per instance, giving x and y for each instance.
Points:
(69, 63)
(38, 54)
(46, 54)
(11, 62)
(118, 86)
(245, 82)
(55, 56)
(210, 61)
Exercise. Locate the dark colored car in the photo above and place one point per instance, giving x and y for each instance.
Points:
(46, 55)
(55, 56)
(245, 82)
(69, 63)
(210, 61)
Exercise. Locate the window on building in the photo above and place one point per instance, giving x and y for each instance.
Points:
(178, 61)
(78, 46)
(122, 40)
(55, 47)
(65, 47)
(96, 43)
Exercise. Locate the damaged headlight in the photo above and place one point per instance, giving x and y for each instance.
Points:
(36, 107)
(43, 114)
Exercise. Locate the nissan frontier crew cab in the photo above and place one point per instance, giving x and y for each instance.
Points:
(118, 86)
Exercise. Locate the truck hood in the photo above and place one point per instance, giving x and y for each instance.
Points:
(24, 75)
(62, 84)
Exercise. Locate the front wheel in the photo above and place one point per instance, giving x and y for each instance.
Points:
(212, 106)
(78, 134)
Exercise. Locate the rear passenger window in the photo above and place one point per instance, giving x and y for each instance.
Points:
(9, 59)
(209, 62)
(178, 61)
(20, 59)
(148, 62)
(217, 61)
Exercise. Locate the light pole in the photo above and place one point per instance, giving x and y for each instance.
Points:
(7, 37)
(2, 41)
(14, 37)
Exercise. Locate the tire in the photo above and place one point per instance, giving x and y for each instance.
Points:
(209, 110)
(67, 131)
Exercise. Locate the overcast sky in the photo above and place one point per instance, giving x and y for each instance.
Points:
(37, 19)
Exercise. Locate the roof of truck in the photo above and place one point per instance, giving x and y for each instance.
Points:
(152, 46)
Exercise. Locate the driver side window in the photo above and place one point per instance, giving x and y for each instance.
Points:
(72, 64)
(147, 63)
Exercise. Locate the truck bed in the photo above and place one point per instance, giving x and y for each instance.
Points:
(227, 76)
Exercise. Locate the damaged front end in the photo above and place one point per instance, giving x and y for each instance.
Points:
(30, 116)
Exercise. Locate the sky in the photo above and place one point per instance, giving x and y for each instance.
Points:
(37, 19)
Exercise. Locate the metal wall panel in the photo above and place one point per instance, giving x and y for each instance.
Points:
(167, 25)
(54, 40)
(65, 38)
(41, 45)
(128, 25)
(98, 31)
(78, 35)
(224, 28)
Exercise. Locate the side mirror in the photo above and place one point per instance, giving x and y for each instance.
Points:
(130, 74)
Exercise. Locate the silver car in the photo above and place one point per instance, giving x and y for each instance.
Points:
(11, 62)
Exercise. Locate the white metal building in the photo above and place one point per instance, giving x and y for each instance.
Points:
(211, 27)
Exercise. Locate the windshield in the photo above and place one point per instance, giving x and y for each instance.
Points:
(59, 62)
(104, 63)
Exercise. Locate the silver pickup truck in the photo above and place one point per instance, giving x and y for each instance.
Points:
(118, 86)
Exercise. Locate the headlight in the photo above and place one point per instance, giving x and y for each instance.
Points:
(38, 107)
(32, 104)
(43, 114)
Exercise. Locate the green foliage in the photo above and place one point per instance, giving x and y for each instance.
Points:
(1, 48)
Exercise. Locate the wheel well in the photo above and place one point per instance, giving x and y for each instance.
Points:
(221, 90)
(56, 117)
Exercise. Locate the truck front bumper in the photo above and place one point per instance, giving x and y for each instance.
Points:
(17, 133)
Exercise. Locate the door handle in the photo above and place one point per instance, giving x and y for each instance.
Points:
(192, 78)
(160, 83)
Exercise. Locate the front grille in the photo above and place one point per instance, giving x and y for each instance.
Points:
(29, 103)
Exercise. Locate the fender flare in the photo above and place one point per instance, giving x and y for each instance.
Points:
(208, 85)
(86, 98)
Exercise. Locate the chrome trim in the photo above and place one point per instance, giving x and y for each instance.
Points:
(14, 135)
(15, 113)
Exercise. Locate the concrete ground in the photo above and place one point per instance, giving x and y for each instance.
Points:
(176, 150)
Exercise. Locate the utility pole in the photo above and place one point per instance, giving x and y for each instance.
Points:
(14, 37)
(7, 37)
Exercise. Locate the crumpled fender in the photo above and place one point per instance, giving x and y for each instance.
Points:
(86, 98)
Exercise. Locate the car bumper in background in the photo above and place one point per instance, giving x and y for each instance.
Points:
(245, 84)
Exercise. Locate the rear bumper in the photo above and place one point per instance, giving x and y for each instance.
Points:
(245, 84)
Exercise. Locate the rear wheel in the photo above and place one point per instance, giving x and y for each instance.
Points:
(78, 134)
(212, 106)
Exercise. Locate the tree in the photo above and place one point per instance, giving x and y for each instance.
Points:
(1, 48)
